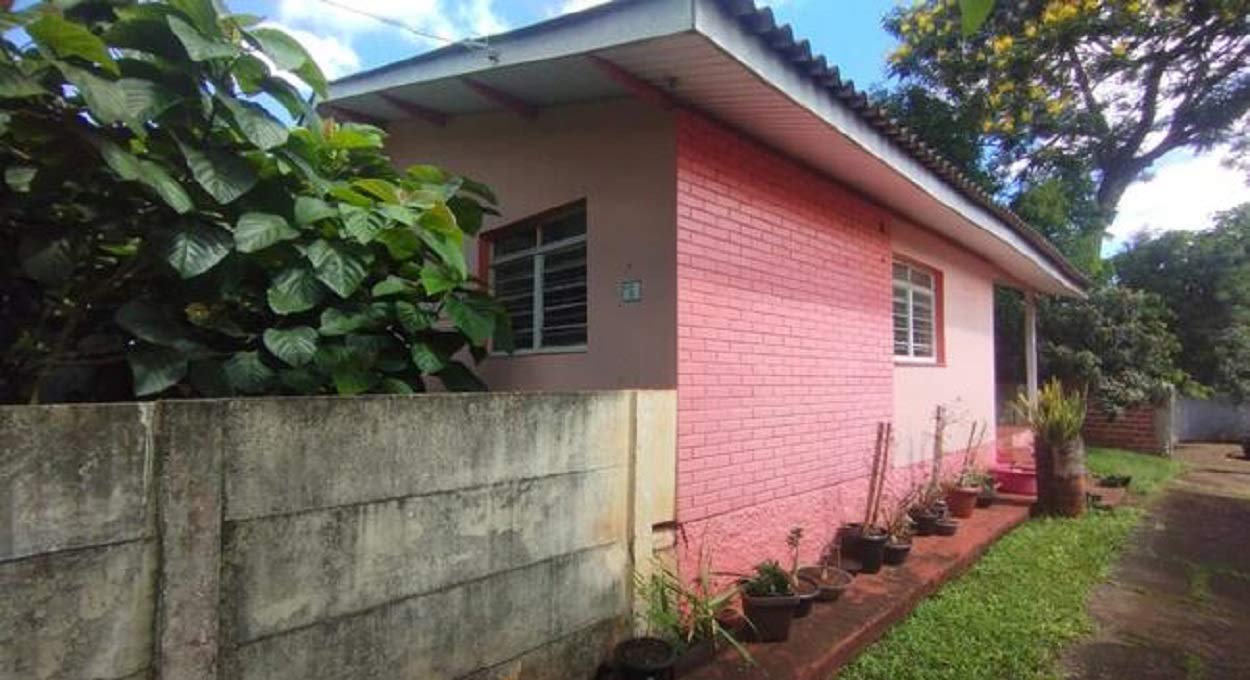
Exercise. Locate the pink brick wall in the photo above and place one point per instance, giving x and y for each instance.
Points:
(783, 343)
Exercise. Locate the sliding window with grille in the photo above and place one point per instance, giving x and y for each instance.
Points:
(538, 272)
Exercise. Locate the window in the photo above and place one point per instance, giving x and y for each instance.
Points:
(538, 273)
(916, 291)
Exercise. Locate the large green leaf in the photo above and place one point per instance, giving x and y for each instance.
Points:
(294, 290)
(394, 285)
(15, 85)
(194, 248)
(973, 13)
(145, 99)
(402, 243)
(436, 279)
(255, 123)
(349, 380)
(474, 317)
(468, 213)
(458, 378)
(340, 267)
(287, 54)
(256, 231)
(427, 359)
(361, 224)
(309, 210)
(447, 248)
(250, 73)
(19, 177)
(156, 369)
(341, 321)
(247, 373)
(296, 346)
(148, 323)
(379, 188)
(49, 261)
(198, 46)
(223, 175)
(68, 39)
(133, 169)
(413, 318)
(105, 98)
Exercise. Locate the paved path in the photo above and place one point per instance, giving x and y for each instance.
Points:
(1178, 603)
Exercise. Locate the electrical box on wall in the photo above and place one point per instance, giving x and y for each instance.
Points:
(631, 291)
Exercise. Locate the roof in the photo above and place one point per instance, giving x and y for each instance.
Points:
(732, 60)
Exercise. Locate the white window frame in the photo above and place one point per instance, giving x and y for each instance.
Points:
(540, 252)
(934, 290)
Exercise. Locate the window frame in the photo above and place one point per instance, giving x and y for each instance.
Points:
(939, 313)
(539, 252)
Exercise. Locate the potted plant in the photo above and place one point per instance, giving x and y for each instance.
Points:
(927, 510)
(830, 578)
(806, 590)
(645, 658)
(961, 496)
(769, 602)
(695, 618)
(946, 526)
(1056, 417)
(899, 528)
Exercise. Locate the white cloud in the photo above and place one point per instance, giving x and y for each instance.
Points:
(1183, 193)
(570, 6)
(441, 20)
(335, 57)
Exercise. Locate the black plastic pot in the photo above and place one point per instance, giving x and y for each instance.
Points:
(896, 553)
(871, 552)
(925, 522)
(946, 527)
(848, 539)
(830, 581)
(644, 658)
(985, 500)
(808, 592)
(770, 617)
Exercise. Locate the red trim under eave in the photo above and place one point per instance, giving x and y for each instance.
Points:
(939, 310)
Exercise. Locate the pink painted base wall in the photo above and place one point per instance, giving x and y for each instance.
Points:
(783, 332)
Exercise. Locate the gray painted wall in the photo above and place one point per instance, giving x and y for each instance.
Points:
(439, 536)
(1219, 419)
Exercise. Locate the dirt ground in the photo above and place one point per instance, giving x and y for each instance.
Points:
(1178, 602)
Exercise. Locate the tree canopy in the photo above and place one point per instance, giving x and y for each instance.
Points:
(1100, 87)
(1204, 277)
(170, 236)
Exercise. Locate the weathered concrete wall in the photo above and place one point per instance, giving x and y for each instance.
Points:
(440, 536)
(1218, 419)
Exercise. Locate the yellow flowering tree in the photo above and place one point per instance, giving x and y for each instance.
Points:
(1105, 87)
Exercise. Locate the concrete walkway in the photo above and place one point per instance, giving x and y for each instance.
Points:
(1178, 603)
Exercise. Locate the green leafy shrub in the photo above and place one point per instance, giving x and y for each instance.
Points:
(170, 236)
(770, 580)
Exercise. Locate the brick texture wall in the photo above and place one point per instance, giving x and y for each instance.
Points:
(784, 364)
(1135, 429)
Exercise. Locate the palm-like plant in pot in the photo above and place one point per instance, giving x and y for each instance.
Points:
(769, 602)
(1056, 417)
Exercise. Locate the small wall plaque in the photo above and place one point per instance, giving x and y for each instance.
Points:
(631, 291)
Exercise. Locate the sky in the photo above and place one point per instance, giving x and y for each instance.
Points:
(1182, 192)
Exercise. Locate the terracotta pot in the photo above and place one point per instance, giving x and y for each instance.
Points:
(770, 617)
(961, 500)
(896, 553)
(831, 582)
(644, 658)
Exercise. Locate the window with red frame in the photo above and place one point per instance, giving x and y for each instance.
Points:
(538, 273)
(915, 312)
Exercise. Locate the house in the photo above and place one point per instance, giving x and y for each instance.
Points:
(691, 199)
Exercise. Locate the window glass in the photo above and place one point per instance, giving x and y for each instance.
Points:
(542, 280)
(914, 311)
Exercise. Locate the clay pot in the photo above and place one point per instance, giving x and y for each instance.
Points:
(896, 553)
(830, 582)
(946, 527)
(807, 592)
(770, 617)
(961, 500)
(644, 658)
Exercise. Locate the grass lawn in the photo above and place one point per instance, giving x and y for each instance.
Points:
(1011, 614)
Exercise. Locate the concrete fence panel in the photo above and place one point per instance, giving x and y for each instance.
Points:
(438, 536)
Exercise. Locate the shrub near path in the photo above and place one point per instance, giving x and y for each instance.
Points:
(1012, 614)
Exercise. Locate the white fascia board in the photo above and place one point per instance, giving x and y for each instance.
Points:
(729, 35)
(582, 33)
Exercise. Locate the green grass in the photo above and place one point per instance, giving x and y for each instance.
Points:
(1009, 617)
(1148, 472)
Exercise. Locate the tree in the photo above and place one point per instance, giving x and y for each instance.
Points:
(1116, 344)
(1107, 87)
(1204, 277)
(162, 221)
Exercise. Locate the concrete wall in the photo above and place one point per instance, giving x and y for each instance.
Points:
(963, 380)
(619, 156)
(1218, 419)
(439, 536)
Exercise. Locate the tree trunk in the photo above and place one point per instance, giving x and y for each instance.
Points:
(1061, 478)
